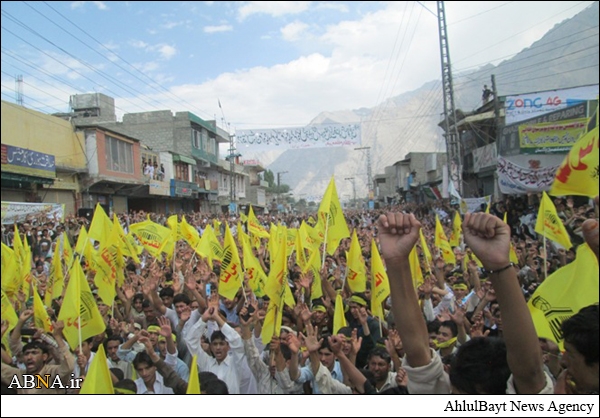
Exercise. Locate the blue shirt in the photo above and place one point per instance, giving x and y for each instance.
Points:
(306, 375)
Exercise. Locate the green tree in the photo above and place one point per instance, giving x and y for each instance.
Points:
(270, 178)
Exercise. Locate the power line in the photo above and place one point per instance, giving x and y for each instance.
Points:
(177, 98)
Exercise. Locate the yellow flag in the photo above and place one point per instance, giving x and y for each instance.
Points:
(109, 265)
(189, 233)
(550, 225)
(173, 223)
(380, 284)
(331, 218)
(277, 275)
(209, 246)
(314, 264)
(564, 293)
(79, 305)
(276, 287)
(232, 274)
(26, 267)
(152, 236)
(23, 264)
(40, 316)
(100, 226)
(425, 249)
(273, 243)
(56, 281)
(309, 237)
(217, 227)
(456, 230)
(8, 312)
(300, 253)
(357, 276)
(10, 316)
(98, 380)
(290, 240)
(10, 271)
(127, 244)
(415, 267)
(256, 275)
(89, 254)
(442, 242)
(65, 249)
(254, 226)
(578, 173)
(83, 241)
(193, 387)
(339, 319)
(272, 323)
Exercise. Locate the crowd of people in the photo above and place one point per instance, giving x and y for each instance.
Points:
(465, 328)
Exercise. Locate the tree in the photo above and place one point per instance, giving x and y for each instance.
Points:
(270, 178)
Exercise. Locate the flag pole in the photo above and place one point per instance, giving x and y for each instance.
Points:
(325, 241)
(545, 263)
(244, 292)
(79, 317)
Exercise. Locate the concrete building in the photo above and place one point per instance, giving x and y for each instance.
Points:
(43, 158)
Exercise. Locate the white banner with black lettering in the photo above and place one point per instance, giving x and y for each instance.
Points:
(21, 212)
(313, 136)
(514, 179)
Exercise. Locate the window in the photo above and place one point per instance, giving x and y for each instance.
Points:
(212, 146)
(196, 139)
(119, 155)
(204, 140)
(182, 171)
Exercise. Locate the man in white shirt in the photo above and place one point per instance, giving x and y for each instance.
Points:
(226, 367)
(84, 357)
(149, 382)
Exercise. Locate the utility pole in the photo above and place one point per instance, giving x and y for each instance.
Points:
(19, 89)
(232, 189)
(231, 157)
(451, 134)
(353, 189)
(369, 177)
(279, 173)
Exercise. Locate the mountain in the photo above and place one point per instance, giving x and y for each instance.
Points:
(566, 56)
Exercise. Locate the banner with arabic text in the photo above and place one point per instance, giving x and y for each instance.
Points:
(551, 137)
(514, 179)
(473, 204)
(314, 136)
(19, 211)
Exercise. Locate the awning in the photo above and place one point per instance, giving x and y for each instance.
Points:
(184, 159)
(21, 178)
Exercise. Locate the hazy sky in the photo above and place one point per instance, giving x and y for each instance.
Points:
(270, 64)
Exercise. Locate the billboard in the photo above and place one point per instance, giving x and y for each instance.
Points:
(24, 161)
(526, 106)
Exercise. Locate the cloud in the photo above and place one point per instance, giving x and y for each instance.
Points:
(146, 67)
(272, 8)
(216, 29)
(99, 4)
(171, 25)
(293, 31)
(138, 44)
(332, 6)
(166, 51)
